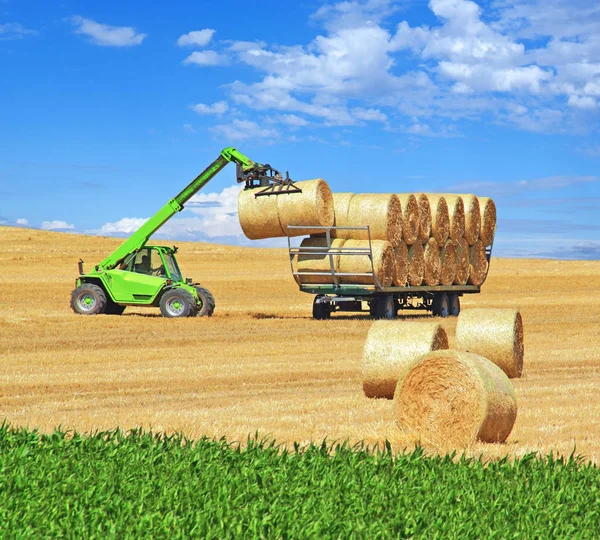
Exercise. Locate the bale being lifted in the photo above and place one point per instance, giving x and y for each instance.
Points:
(496, 334)
(383, 214)
(390, 350)
(455, 398)
(258, 215)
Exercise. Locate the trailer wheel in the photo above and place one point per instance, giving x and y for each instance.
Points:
(454, 301)
(177, 303)
(385, 307)
(88, 299)
(321, 310)
(441, 305)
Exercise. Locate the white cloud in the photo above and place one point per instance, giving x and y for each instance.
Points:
(371, 115)
(126, 225)
(292, 120)
(241, 130)
(56, 225)
(22, 221)
(206, 58)
(199, 38)
(582, 102)
(217, 108)
(105, 35)
(10, 31)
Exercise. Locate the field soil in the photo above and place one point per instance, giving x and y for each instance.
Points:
(261, 365)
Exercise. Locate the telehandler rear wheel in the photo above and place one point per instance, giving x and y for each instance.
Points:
(208, 302)
(177, 303)
(88, 299)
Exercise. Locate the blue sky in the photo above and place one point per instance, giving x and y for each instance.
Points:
(107, 109)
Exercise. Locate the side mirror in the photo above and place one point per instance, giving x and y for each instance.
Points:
(188, 280)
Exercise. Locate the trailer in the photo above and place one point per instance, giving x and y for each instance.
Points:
(340, 294)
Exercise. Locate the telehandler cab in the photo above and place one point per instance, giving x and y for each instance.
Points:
(137, 274)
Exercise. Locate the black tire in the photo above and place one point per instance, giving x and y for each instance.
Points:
(114, 309)
(441, 305)
(207, 301)
(321, 310)
(454, 305)
(88, 299)
(385, 307)
(177, 303)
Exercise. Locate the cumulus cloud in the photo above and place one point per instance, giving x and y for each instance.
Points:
(217, 108)
(106, 35)
(126, 225)
(9, 31)
(206, 58)
(241, 130)
(22, 221)
(56, 225)
(198, 38)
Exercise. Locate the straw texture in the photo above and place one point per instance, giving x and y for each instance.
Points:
(472, 218)
(383, 262)
(411, 217)
(314, 206)
(341, 205)
(432, 263)
(318, 263)
(477, 264)
(440, 219)
(455, 398)
(463, 262)
(382, 212)
(400, 265)
(496, 334)
(424, 218)
(390, 350)
(448, 262)
(258, 215)
(456, 212)
(416, 265)
(488, 220)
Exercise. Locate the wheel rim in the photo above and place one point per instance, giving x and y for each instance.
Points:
(455, 307)
(444, 307)
(86, 301)
(389, 308)
(175, 307)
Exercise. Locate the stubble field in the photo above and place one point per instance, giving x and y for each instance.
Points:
(261, 364)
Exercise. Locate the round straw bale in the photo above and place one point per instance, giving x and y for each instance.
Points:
(424, 218)
(472, 218)
(440, 219)
(341, 204)
(400, 265)
(416, 265)
(449, 264)
(411, 217)
(488, 220)
(383, 262)
(456, 212)
(478, 264)
(452, 397)
(258, 215)
(314, 206)
(383, 214)
(463, 262)
(312, 262)
(391, 348)
(496, 334)
(432, 263)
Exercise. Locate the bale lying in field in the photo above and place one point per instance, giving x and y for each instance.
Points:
(448, 263)
(391, 348)
(472, 218)
(496, 334)
(440, 219)
(424, 218)
(488, 220)
(478, 264)
(463, 262)
(431, 263)
(456, 212)
(455, 398)
(411, 217)
(310, 262)
(382, 212)
(383, 262)
(416, 265)
(341, 205)
(400, 265)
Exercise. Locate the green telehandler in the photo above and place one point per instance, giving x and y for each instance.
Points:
(138, 274)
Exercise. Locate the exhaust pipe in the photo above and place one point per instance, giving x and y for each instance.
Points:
(80, 266)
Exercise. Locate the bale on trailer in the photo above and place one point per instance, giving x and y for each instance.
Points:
(383, 263)
(382, 212)
(431, 263)
(478, 264)
(472, 218)
(424, 218)
(488, 220)
(456, 212)
(258, 215)
(400, 265)
(411, 217)
(448, 263)
(312, 262)
(314, 206)
(341, 204)
(440, 218)
(416, 265)
(456, 398)
(391, 348)
(463, 262)
(496, 334)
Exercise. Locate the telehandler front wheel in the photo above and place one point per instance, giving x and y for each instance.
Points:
(177, 303)
(88, 299)
(207, 302)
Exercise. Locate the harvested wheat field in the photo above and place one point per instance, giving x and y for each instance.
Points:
(261, 364)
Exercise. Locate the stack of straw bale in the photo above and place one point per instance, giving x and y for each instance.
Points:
(318, 262)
